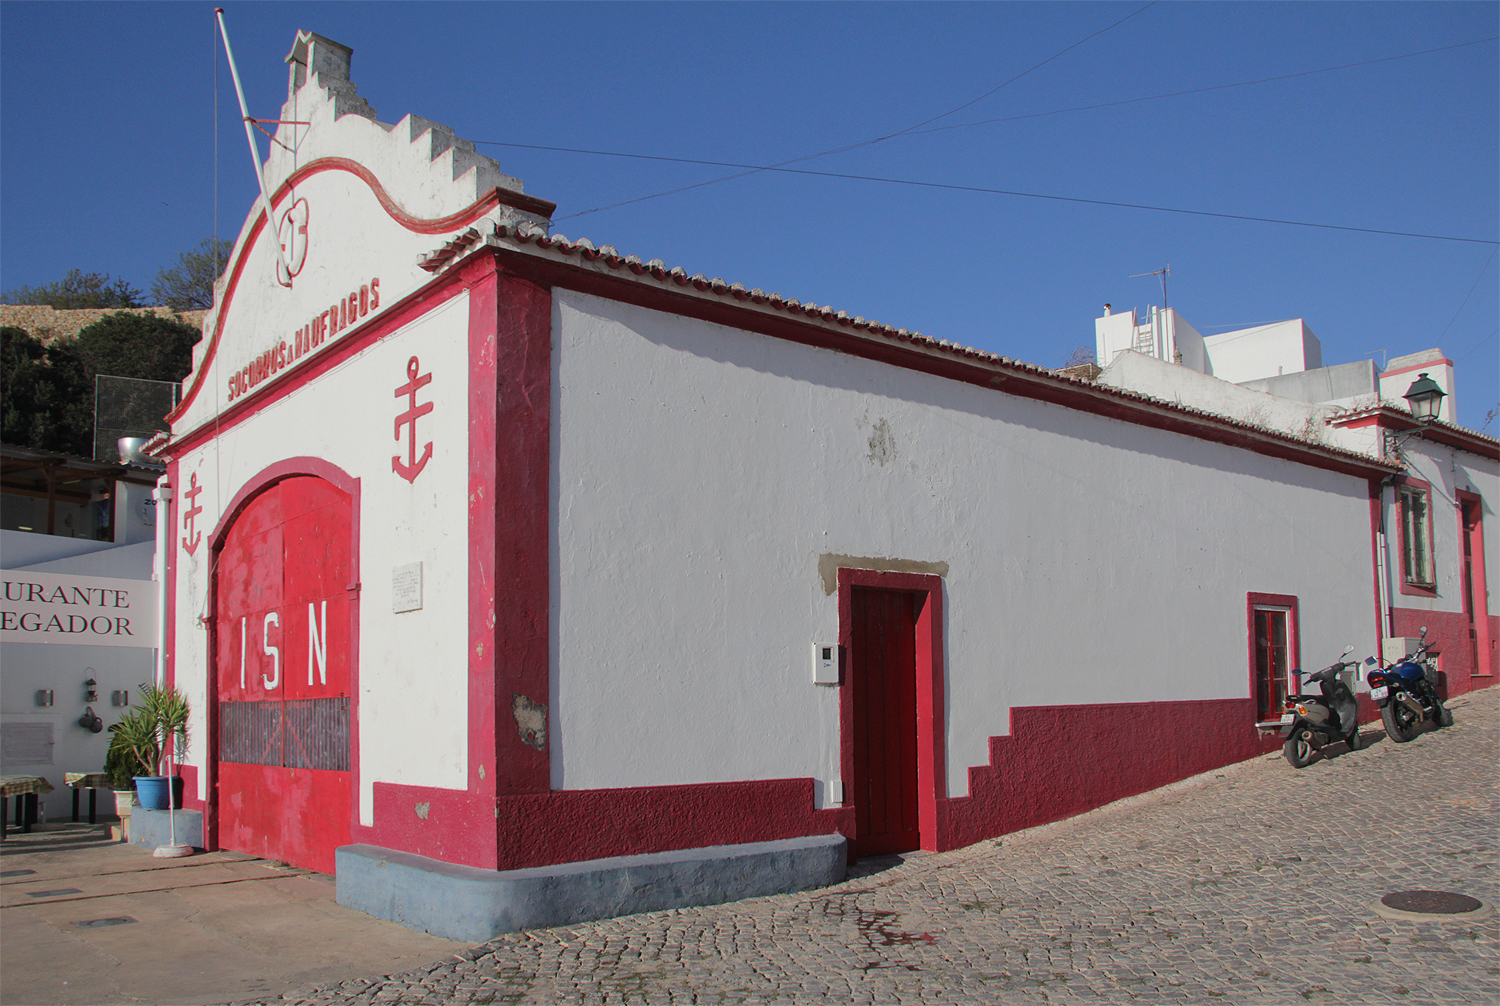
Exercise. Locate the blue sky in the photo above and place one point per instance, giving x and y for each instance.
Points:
(107, 161)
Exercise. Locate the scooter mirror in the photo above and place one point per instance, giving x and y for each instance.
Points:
(1370, 661)
(1422, 629)
(1348, 649)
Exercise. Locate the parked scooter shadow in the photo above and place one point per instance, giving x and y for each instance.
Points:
(1369, 736)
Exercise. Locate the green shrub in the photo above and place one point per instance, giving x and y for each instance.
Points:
(142, 735)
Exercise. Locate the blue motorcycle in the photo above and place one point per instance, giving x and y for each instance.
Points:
(1406, 693)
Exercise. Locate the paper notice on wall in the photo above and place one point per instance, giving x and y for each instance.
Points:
(406, 588)
(77, 610)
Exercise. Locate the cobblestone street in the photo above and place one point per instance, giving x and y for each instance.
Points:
(1253, 884)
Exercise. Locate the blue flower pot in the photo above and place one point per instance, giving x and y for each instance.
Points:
(151, 790)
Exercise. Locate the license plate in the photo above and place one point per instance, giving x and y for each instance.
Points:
(1376, 694)
(1288, 717)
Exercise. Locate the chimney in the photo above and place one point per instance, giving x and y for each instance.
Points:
(1107, 309)
(323, 56)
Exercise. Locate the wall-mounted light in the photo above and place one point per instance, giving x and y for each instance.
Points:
(44, 696)
(1425, 398)
(119, 698)
(91, 690)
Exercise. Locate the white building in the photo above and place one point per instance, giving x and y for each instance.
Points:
(71, 522)
(519, 552)
(1432, 550)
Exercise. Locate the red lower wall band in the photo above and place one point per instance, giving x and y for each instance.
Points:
(1063, 760)
(1058, 761)
(1450, 631)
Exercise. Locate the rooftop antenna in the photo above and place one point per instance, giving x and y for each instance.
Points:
(265, 200)
(1163, 273)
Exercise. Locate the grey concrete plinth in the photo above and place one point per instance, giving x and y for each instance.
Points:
(466, 903)
(151, 828)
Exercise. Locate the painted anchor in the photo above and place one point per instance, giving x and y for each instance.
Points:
(189, 522)
(413, 465)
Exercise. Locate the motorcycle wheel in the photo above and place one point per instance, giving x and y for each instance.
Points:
(1298, 748)
(1400, 723)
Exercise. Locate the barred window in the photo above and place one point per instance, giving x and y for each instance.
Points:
(1416, 536)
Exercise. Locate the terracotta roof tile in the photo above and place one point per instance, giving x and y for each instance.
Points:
(526, 232)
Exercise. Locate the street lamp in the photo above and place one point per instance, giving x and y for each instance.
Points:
(1425, 398)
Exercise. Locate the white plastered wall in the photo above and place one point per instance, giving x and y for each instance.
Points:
(701, 471)
(63, 669)
(1173, 383)
(1447, 470)
(413, 667)
(1249, 354)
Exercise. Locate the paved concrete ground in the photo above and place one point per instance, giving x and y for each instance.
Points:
(202, 929)
(1249, 885)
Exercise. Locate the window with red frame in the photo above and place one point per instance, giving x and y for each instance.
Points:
(1272, 660)
(1416, 536)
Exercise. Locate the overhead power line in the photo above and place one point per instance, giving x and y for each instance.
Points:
(916, 130)
(1012, 80)
(1484, 269)
(981, 189)
(753, 169)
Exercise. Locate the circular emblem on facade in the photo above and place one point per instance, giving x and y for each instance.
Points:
(291, 232)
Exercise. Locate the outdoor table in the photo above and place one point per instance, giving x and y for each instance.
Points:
(91, 781)
(25, 789)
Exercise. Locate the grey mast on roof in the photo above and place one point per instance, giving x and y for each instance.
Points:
(330, 61)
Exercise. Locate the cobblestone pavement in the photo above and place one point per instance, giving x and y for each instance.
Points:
(1252, 884)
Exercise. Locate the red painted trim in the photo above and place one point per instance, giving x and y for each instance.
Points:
(419, 225)
(1377, 510)
(399, 315)
(1448, 632)
(1048, 767)
(1478, 593)
(1438, 431)
(1403, 582)
(568, 826)
(1080, 396)
(1416, 368)
(169, 561)
(256, 484)
(931, 730)
(483, 725)
(1360, 423)
(1059, 761)
(509, 403)
(521, 463)
(190, 800)
(1255, 600)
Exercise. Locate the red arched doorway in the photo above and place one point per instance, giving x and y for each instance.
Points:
(283, 590)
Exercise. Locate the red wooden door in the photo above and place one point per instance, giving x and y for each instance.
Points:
(282, 656)
(883, 676)
(1469, 517)
(1271, 662)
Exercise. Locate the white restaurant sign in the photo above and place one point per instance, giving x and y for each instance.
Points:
(78, 610)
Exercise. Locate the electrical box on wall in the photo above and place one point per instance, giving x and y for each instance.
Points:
(825, 664)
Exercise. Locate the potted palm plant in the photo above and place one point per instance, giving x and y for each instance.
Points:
(152, 732)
